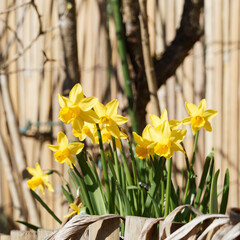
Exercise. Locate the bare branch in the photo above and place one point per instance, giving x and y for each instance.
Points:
(15, 8)
(187, 35)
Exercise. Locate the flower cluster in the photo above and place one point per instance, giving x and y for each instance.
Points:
(163, 137)
(88, 116)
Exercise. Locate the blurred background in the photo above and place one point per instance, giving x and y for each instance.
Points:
(48, 46)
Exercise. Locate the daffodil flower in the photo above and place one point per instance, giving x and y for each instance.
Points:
(109, 118)
(166, 141)
(65, 150)
(143, 142)
(76, 209)
(77, 107)
(87, 130)
(199, 116)
(157, 122)
(107, 137)
(39, 179)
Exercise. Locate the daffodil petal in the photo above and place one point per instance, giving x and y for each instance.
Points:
(112, 107)
(174, 124)
(187, 120)
(76, 94)
(99, 109)
(89, 116)
(118, 119)
(32, 171)
(62, 140)
(155, 120)
(87, 103)
(63, 101)
(202, 106)
(137, 138)
(194, 130)
(114, 130)
(191, 108)
(207, 126)
(165, 129)
(178, 135)
(75, 147)
(54, 148)
(209, 114)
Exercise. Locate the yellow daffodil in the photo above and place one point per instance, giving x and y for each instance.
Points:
(39, 179)
(76, 209)
(143, 142)
(65, 150)
(77, 107)
(87, 130)
(156, 121)
(107, 137)
(109, 118)
(199, 116)
(166, 141)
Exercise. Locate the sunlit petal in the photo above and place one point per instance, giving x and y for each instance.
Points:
(76, 94)
(118, 119)
(75, 147)
(100, 109)
(112, 107)
(87, 103)
(191, 108)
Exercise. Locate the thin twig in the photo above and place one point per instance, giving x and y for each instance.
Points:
(15, 8)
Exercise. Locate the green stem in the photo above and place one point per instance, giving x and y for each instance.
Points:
(168, 191)
(122, 53)
(133, 164)
(195, 148)
(116, 162)
(105, 173)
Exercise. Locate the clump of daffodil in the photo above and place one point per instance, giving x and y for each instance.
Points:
(108, 117)
(64, 151)
(165, 140)
(157, 122)
(143, 149)
(77, 107)
(76, 209)
(39, 179)
(199, 116)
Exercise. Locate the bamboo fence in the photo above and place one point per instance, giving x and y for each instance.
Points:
(29, 88)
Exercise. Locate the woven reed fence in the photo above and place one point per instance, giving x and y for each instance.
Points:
(211, 70)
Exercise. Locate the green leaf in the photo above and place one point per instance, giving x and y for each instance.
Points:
(68, 195)
(205, 200)
(154, 185)
(213, 205)
(94, 192)
(224, 201)
(203, 179)
(38, 198)
(29, 225)
(83, 190)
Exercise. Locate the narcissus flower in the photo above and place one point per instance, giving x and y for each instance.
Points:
(39, 179)
(64, 151)
(109, 118)
(107, 137)
(156, 121)
(199, 116)
(166, 141)
(76, 209)
(77, 107)
(143, 142)
(87, 130)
